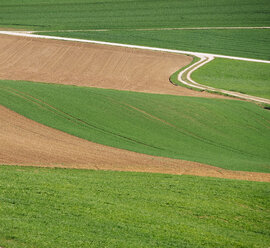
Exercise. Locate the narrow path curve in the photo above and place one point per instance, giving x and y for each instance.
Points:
(185, 78)
(204, 58)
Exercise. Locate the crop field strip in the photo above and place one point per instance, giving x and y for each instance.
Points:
(25, 138)
(77, 121)
(92, 14)
(162, 114)
(231, 42)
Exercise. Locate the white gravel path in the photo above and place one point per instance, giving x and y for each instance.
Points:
(204, 58)
(190, 82)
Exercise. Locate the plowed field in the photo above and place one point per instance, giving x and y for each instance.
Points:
(91, 65)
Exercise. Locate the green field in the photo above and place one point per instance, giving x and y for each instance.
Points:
(82, 208)
(249, 43)
(226, 133)
(119, 14)
(246, 77)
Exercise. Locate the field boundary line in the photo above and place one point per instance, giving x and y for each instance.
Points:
(143, 29)
(200, 28)
(204, 59)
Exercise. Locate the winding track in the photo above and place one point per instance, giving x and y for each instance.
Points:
(204, 58)
(190, 82)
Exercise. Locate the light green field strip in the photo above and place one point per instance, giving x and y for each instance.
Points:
(241, 76)
(248, 43)
(82, 208)
(119, 14)
(225, 133)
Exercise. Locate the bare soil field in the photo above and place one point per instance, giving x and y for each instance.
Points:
(74, 63)
(25, 142)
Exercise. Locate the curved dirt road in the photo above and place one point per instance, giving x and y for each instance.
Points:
(185, 77)
(25, 142)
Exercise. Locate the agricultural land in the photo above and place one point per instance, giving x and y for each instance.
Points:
(134, 123)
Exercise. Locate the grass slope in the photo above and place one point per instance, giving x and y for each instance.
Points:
(251, 43)
(245, 77)
(79, 208)
(229, 134)
(119, 14)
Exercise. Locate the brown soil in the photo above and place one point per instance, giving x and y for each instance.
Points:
(84, 64)
(25, 142)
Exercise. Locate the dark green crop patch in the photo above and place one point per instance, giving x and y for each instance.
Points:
(119, 14)
(247, 43)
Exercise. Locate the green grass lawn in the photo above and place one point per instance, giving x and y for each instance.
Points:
(249, 43)
(119, 14)
(79, 208)
(245, 77)
(225, 133)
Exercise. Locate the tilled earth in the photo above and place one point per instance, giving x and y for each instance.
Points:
(84, 64)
